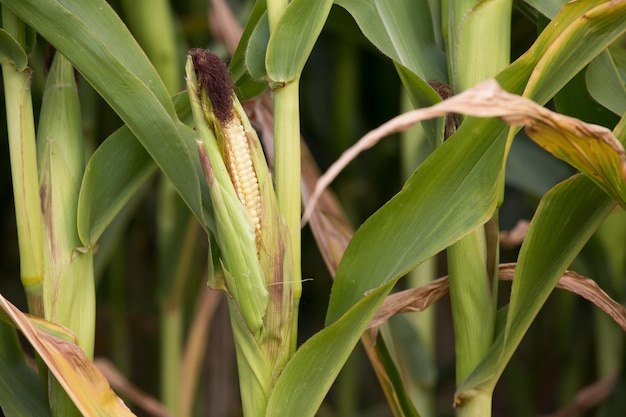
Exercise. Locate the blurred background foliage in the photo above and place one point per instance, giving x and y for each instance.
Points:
(347, 88)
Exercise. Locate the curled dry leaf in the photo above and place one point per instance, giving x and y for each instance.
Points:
(418, 299)
(592, 149)
(585, 287)
(83, 382)
(411, 300)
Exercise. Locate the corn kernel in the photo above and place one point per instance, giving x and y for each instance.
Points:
(238, 160)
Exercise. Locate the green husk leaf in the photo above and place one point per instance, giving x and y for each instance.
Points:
(68, 276)
(234, 228)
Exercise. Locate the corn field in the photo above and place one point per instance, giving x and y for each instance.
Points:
(313, 208)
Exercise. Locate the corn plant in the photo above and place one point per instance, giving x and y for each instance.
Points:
(466, 101)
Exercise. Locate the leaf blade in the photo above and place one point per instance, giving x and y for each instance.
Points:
(293, 38)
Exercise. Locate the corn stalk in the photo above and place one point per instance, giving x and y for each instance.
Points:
(474, 55)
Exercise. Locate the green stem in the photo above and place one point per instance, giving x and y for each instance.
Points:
(287, 174)
(473, 304)
(475, 404)
(474, 55)
(23, 154)
(287, 165)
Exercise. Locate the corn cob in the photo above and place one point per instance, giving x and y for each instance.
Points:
(254, 251)
(233, 141)
(240, 168)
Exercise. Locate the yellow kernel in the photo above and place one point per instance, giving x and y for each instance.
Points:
(238, 159)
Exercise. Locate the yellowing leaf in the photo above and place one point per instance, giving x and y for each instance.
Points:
(592, 149)
(80, 378)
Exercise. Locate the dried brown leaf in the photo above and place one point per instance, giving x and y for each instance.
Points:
(590, 148)
(195, 347)
(411, 300)
(584, 287)
(418, 299)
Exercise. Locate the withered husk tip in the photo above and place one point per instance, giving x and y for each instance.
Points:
(214, 79)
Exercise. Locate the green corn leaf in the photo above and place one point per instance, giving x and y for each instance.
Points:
(257, 45)
(393, 254)
(422, 95)
(398, 385)
(116, 170)
(548, 8)
(461, 176)
(311, 371)
(21, 394)
(619, 57)
(605, 84)
(402, 30)
(12, 51)
(293, 38)
(574, 100)
(579, 208)
(97, 43)
(247, 87)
